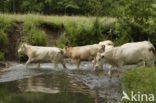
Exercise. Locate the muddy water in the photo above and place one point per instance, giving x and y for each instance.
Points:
(19, 84)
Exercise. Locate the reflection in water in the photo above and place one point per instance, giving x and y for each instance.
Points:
(51, 86)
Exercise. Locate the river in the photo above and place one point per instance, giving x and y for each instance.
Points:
(19, 84)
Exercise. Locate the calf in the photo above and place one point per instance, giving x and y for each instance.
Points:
(108, 44)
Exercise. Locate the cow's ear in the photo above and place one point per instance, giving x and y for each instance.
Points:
(66, 47)
(24, 45)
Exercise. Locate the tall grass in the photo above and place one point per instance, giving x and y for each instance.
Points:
(73, 24)
(78, 30)
(55, 19)
(141, 80)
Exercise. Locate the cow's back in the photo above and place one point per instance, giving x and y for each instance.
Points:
(130, 53)
(84, 52)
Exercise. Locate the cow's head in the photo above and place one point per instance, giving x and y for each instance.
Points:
(66, 50)
(22, 48)
(102, 49)
(99, 60)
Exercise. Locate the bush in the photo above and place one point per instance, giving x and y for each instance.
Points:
(36, 37)
(139, 79)
(79, 34)
(124, 31)
(1, 56)
(3, 40)
(151, 30)
(109, 31)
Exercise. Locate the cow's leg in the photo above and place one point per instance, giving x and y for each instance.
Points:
(38, 65)
(63, 64)
(120, 70)
(77, 62)
(109, 72)
(56, 65)
(94, 61)
(28, 61)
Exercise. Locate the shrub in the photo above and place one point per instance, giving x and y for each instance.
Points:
(79, 34)
(96, 33)
(129, 31)
(139, 79)
(36, 37)
(3, 40)
(1, 56)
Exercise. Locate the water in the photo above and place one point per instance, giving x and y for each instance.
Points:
(48, 85)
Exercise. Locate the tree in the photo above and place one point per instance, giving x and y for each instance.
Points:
(139, 11)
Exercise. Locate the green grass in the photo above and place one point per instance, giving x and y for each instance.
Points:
(30, 22)
(66, 20)
(139, 79)
(76, 28)
(1, 56)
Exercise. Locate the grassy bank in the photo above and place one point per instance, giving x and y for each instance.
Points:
(43, 30)
(76, 28)
(59, 31)
(140, 81)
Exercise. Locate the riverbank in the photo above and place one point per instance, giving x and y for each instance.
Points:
(60, 31)
(139, 81)
(42, 30)
(7, 64)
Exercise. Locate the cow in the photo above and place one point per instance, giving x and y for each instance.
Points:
(108, 44)
(128, 54)
(83, 53)
(41, 54)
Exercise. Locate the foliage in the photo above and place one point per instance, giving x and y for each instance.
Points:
(68, 7)
(1, 56)
(139, 79)
(3, 40)
(134, 18)
(36, 37)
(81, 35)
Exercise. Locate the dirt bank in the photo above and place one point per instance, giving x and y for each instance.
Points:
(52, 31)
(16, 36)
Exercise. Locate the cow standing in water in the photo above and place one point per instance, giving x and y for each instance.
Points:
(128, 54)
(87, 52)
(40, 54)
(82, 53)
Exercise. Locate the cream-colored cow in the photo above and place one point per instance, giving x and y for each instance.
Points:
(39, 54)
(127, 54)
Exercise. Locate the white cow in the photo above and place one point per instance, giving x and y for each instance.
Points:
(108, 44)
(39, 54)
(128, 54)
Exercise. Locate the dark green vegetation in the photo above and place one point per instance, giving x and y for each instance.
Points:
(61, 7)
(139, 80)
